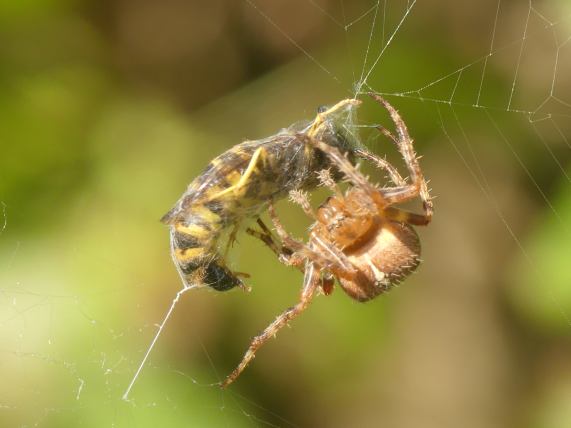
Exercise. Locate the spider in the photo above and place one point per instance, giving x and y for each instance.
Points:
(358, 237)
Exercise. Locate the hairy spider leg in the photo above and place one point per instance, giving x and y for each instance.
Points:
(346, 167)
(382, 164)
(335, 260)
(393, 213)
(405, 146)
(384, 198)
(330, 260)
(310, 284)
(300, 198)
(327, 181)
(323, 254)
(395, 195)
(285, 255)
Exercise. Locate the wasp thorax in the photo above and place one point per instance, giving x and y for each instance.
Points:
(385, 259)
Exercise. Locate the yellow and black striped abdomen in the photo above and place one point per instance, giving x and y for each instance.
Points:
(193, 242)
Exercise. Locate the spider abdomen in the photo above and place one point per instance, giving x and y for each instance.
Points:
(388, 257)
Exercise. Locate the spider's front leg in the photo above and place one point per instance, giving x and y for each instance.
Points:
(393, 213)
(311, 282)
(405, 145)
(385, 197)
(346, 167)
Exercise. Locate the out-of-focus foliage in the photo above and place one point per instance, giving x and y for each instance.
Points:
(541, 276)
(109, 109)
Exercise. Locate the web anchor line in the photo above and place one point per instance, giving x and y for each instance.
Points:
(155, 339)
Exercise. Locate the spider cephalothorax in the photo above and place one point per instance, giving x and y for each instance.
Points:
(381, 251)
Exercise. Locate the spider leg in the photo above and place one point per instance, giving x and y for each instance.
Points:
(327, 256)
(299, 249)
(310, 284)
(346, 167)
(382, 164)
(402, 216)
(286, 238)
(386, 197)
(323, 254)
(287, 255)
(388, 134)
(351, 278)
(300, 197)
(404, 143)
(397, 195)
(326, 180)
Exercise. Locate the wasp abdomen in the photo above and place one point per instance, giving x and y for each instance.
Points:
(193, 240)
(209, 272)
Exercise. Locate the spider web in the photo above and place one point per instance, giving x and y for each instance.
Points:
(513, 83)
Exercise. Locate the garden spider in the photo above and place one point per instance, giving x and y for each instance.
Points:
(358, 237)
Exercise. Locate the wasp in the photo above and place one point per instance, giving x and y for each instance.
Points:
(360, 238)
(240, 183)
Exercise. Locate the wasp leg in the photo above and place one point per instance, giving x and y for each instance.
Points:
(281, 251)
(229, 244)
(231, 239)
(266, 239)
(311, 283)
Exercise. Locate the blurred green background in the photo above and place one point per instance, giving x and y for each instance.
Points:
(108, 109)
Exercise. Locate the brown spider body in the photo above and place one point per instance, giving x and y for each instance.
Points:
(382, 251)
(359, 238)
